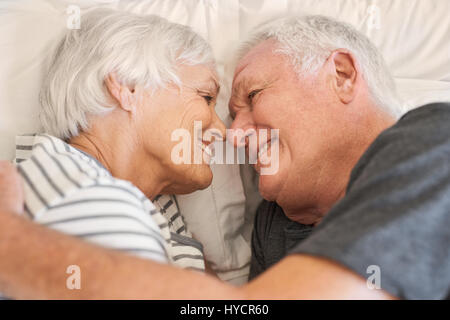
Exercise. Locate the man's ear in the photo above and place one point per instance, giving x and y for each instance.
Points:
(124, 95)
(346, 74)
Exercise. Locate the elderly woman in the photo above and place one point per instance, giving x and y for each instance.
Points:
(115, 92)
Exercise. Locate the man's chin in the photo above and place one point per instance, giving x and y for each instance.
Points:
(268, 187)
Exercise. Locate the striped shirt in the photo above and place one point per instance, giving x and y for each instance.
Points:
(186, 252)
(71, 192)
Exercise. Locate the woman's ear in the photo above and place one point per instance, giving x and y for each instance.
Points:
(123, 94)
(346, 74)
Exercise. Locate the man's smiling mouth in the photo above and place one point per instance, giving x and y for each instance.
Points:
(264, 148)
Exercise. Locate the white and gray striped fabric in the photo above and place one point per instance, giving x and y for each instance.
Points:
(70, 191)
(186, 252)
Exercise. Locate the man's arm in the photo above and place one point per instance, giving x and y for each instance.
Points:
(301, 276)
(34, 266)
(34, 260)
(11, 190)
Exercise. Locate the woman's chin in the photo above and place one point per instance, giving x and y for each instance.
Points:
(197, 180)
(204, 177)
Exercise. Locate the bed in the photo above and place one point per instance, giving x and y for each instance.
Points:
(413, 36)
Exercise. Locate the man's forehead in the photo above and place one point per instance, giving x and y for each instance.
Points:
(257, 55)
(256, 65)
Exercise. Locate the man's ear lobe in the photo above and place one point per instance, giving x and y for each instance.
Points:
(346, 74)
(120, 92)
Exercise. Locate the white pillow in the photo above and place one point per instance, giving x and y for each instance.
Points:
(412, 35)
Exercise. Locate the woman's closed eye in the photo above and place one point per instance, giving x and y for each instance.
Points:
(208, 99)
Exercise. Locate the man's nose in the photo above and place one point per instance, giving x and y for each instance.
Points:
(241, 128)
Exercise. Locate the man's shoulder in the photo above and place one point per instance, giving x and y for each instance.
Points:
(395, 212)
(419, 135)
(432, 110)
(426, 124)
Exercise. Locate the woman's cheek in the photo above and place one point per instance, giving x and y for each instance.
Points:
(198, 113)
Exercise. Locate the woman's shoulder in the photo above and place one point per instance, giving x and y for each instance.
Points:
(71, 192)
(54, 171)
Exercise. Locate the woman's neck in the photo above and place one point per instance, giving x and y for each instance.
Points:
(124, 158)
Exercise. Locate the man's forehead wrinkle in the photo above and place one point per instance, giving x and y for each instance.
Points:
(254, 82)
(239, 69)
(253, 70)
(240, 88)
(247, 60)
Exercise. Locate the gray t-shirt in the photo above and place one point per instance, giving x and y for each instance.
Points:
(274, 235)
(396, 212)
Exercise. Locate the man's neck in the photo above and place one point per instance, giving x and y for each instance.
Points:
(334, 176)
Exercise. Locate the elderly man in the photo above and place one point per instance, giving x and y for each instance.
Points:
(327, 89)
(330, 96)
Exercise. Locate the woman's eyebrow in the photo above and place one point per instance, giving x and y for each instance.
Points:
(216, 85)
(211, 85)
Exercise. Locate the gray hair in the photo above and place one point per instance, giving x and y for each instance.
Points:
(309, 40)
(142, 50)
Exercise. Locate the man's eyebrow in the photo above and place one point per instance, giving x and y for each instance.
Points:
(236, 95)
(242, 88)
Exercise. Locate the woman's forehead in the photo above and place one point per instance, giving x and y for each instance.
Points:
(200, 76)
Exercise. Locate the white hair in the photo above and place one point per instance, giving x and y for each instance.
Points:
(142, 50)
(309, 40)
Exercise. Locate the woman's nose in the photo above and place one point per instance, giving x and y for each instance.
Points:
(219, 126)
